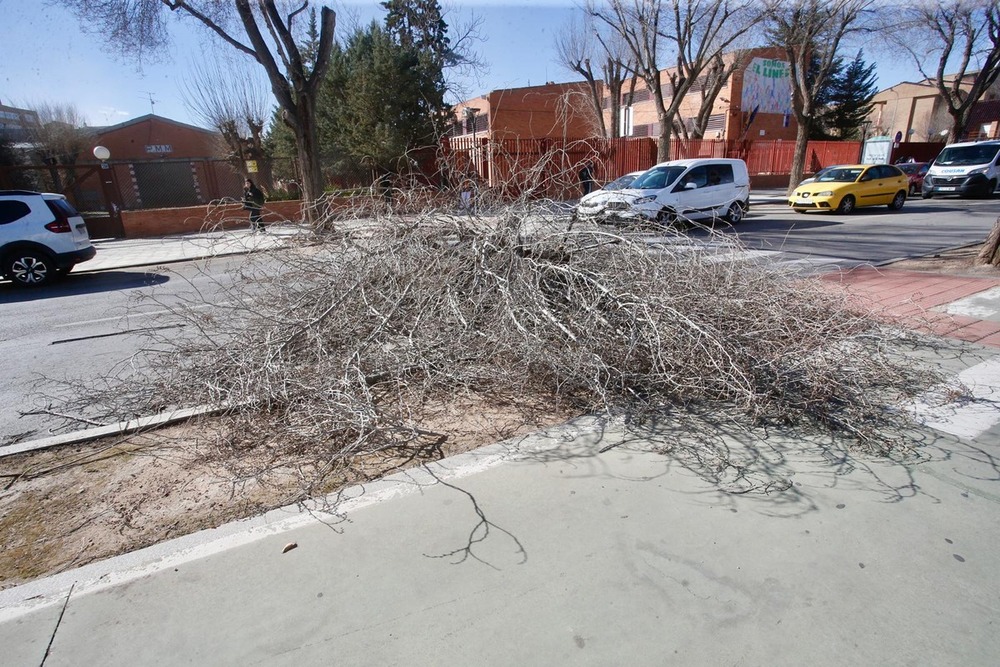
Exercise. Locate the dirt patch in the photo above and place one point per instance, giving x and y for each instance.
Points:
(959, 262)
(66, 507)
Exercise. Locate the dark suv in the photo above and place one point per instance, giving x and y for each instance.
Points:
(42, 237)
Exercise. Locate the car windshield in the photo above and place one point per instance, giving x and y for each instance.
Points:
(658, 178)
(910, 167)
(621, 182)
(839, 175)
(967, 155)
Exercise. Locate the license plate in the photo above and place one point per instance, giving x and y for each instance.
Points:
(947, 189)
(803, 202)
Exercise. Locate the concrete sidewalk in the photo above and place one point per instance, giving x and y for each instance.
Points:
(587, 545)
(591, 544)
(126, 253)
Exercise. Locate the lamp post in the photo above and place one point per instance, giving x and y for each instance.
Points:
(109, 188)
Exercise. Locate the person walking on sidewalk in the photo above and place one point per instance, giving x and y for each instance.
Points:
(587, 178)
(253, 201)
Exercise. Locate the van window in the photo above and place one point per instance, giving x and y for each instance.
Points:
(967, 155)
(658, 178)
(706, 176)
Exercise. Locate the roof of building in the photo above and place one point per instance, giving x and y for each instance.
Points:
(105, 129)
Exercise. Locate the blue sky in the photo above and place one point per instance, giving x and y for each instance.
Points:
(47, 58)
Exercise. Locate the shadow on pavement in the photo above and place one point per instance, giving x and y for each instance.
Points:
(83, 283)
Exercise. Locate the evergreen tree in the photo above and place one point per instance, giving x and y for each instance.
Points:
(850, 100)
(819, 128)
(419, 27)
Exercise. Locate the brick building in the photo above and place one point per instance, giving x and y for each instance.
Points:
(755, 103)
(162, 163)
(553, 110)
(919, 114)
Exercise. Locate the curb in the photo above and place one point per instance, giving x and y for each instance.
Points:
(121, 428)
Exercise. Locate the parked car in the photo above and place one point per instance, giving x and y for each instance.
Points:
(915, 172)
(684, 189)
(968, 169)
(42, 237)
(591, 206)
(846, 187)
(814, 176)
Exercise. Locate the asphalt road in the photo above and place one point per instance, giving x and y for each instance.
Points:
(83, 328)
(870, 235)
(91, 325)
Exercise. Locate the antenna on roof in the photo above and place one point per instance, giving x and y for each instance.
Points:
(152, 102)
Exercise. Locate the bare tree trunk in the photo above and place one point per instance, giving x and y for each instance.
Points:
(799, 157)
(990, 252)
(307, 148)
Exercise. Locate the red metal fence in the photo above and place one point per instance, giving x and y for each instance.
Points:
(549, 167)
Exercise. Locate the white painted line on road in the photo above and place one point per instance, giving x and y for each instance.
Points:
(130, 315)
(966, 417)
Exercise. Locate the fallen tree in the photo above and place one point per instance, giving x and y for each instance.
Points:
(353, 343)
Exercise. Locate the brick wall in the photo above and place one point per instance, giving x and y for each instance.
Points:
(553, 110)
(164, 221)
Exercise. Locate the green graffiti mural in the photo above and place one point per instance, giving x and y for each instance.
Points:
(767, 86)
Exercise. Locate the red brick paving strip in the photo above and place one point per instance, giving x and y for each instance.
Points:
(906, 297)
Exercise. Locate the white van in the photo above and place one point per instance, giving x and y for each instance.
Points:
(967, 169)
(687, 189)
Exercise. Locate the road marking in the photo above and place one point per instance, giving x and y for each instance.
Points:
(969, 416)
(128, 315)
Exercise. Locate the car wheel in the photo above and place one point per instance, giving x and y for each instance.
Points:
(913, 190)
(735, 213)
(30, 268)
(846, 204)
(666, 216)
(897, 201)
(992, 188)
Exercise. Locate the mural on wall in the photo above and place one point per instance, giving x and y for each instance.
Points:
(767, 86)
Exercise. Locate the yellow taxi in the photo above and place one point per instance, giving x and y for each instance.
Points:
(846, 187)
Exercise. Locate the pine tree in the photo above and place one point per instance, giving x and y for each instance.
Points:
(851, 97)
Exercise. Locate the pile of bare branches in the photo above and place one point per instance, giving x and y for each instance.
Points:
(346, 345)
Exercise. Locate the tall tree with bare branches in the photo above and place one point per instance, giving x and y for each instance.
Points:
(811, 33)
(956, 45)
(688, 34)
(708, 86)
(259, 29)
(225, 95)
(58, 141)
(579, 47)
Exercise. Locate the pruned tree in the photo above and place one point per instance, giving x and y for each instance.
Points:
(224, 93)
(708, 86)
(578, 46)
(689, 34)
(57, 142)
(257, 28)
(811, 33)
(956, 46)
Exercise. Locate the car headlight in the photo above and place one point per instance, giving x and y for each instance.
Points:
(981, 170)
(644, 200)
(825, 193)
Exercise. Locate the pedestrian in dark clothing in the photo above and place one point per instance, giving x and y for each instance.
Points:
(253, 201)
(587, 178)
